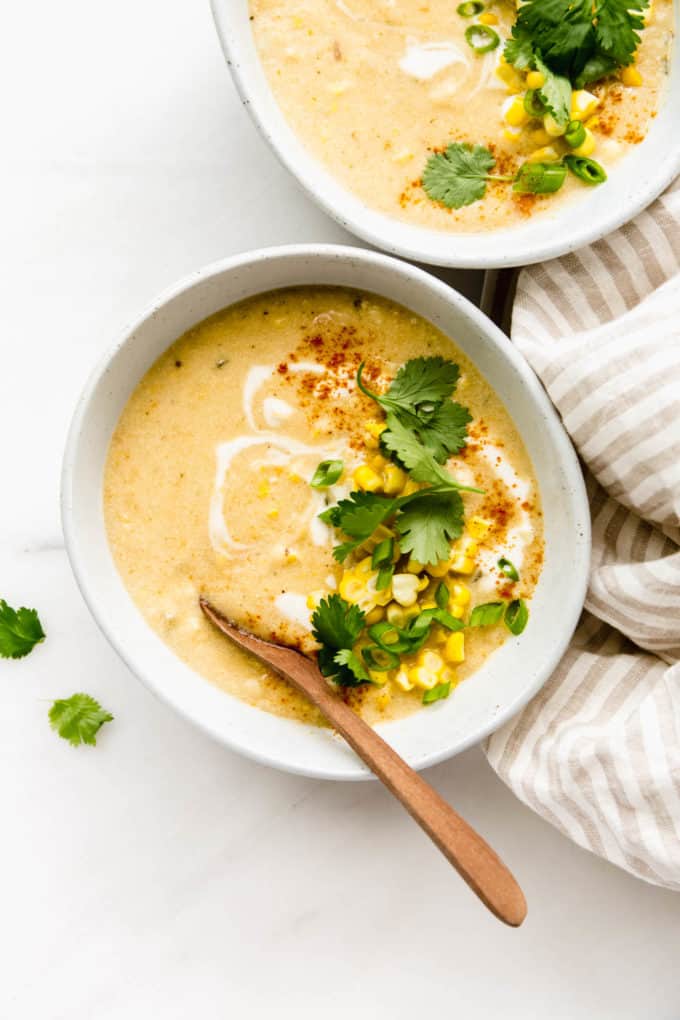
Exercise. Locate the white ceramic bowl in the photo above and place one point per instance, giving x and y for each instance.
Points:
(633, 183)
(509, 678)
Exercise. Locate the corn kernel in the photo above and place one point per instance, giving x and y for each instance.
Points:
(375, 615)
(460, 593)
(378, 462)
(291, 558)
(552, 127)
(454, 649)
(540, 137)
(587, 147)
(488, 18)
(394, 479)
(440, 569)
(263, 489)
(366, 478)
(593, 123)
(411, 487)
(314, 598)
(514, 113)
(273, 512)
(403, 156)
(375, 428)
(631, 76)
(583, 104)
(463, 565)
(545, 155)
(511, 134)
(405, 589)
(509, 76)
(535, 80)
(467, 546)
(413, 567)
(402, 680)
(456, 609)
(478, 527)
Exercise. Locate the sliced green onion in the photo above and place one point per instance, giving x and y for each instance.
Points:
(587, 170)
(382, 553)
(470, 8)
(441, 596)
(437, 693)
(575, 134)
(380, 659)
(381, 634)
(533, 104)
(540, 178)
(516, 616)
(384, 578)
(481, 38)
(508, 568)
(486, 614)
(327, 473)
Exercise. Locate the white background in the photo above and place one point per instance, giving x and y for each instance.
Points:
(158, 875)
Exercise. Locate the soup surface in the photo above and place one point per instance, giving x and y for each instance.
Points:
(373, 87)
(207, 489)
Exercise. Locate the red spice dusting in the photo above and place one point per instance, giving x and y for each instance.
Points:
(282, 368)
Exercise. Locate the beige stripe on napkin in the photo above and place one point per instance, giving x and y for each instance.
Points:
(597, 752)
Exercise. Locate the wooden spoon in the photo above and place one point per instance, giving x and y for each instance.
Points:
(472, 857)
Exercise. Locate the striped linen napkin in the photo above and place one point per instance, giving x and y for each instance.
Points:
(597, 752)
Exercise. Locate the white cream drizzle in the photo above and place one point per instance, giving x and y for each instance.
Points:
(520, 536)
(423, 61)
(294, 608)
(276, 411)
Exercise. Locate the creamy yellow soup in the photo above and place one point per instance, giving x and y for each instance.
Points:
(373, 87)
(207, 492)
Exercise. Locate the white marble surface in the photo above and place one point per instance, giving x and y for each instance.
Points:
(159, 875)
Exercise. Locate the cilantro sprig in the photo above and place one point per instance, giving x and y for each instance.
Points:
(457, 176)
(579, 39)
(20, 631)
(336, 625)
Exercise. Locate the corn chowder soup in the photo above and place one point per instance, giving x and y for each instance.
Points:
(472, 117)
(330, 472)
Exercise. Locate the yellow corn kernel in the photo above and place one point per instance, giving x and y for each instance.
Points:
(440, 569)
(403, 156)
(402, 680)
(263, 489)
(375, 428)
(454, 649)
(291, 558)
(378, 462)
(648, 15)
(514, 113)
(467, 546)
(351, 587)
(583, 104)
(314, 598)
(592, 123)
(509, 76)
(535, 80)
(413, 567)
(367, 479)
(511, 134)
(539, 138)
(552, 127)
(456, 609)
(380, 533)
(428, 604)
(410, 488)
(394, 479)
(463, 565)
(375, 615)
(587, 147)
(273, 513)
(426, 674)
(460, 593)
(399, 615)
(631, 76)
(488, 18)
(479, 528)
(405, 589)
(545, 155)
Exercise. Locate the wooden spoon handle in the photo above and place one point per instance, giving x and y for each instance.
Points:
(471, 856)
(465, 849)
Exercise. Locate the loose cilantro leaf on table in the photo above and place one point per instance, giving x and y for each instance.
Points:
(458, 176)
(419, 399)
(571, 35)
(336, 625)
(20, 631)
(78, 718)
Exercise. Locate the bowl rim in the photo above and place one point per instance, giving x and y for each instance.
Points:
(576, 487)
(498, 256)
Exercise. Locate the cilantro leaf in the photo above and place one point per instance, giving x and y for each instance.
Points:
(519, 49)
(429, 523)
(555, 93)
(336, 625)
(20, 631)
(418, 397)
(617, 27)
(357, 516)
(78, 718)
(458, 176)
(416, 458)
(347, 657)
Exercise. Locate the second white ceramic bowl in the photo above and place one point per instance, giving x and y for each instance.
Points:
(633, 183)
(506, 681)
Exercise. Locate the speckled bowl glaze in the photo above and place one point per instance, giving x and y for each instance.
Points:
(507, 680)
(633, 183)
